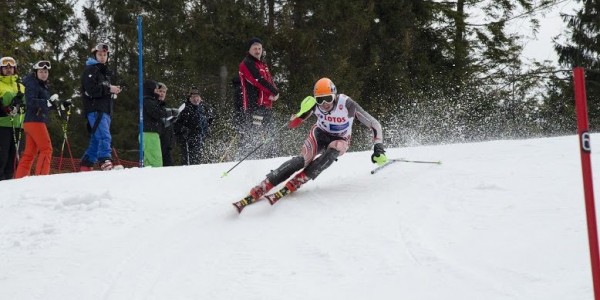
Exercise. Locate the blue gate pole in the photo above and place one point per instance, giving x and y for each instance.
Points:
(141, 90)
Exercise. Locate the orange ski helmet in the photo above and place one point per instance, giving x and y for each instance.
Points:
(324, 91)
(324, 87)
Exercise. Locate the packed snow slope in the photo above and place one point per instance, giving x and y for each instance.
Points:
(497, 220)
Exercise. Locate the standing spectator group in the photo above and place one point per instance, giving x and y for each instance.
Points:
(28, 105)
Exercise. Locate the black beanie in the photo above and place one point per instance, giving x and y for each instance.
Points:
(192, 90)
(149, 87)
(252, 41)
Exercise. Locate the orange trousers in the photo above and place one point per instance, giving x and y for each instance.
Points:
(37, 140)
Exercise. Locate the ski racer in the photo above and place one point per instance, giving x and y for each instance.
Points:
(329, 137)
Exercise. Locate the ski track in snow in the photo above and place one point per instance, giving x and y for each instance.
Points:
(497, 220)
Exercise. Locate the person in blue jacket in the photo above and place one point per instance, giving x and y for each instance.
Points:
(98, 99)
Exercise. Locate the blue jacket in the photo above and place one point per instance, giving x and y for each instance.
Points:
(37, 95)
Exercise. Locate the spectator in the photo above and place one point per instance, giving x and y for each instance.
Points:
(166, 134)
(154, 112)
(192, 127)
(258, 92)
(98, 99)
(38, 104)
(11, 116)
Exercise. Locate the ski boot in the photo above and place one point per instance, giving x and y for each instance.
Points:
(291, 186)
(255, 194)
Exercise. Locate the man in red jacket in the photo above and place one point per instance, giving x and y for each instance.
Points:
(258, 92)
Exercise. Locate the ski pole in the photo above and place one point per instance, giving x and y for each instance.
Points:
(439, 162)
(267, 140)
(396, 160)
(65, 141)
(187, 153)
(247, 155)
(16, 133)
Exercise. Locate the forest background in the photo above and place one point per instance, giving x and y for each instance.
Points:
(430, 71)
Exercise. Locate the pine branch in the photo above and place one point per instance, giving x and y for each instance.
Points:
(525, 14)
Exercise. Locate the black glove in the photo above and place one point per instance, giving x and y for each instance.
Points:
(65, 104)
(378, 156)
(18, 99)
(7, 110)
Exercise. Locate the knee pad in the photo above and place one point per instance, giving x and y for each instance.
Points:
(321, 163)
(286, 170)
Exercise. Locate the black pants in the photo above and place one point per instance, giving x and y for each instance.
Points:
(191, 151)
(253, 129)
(8, 152)
(166, 145)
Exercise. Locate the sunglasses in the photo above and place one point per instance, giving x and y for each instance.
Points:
(8, 62)
(42, 64)
(102, 47)
(325, 99)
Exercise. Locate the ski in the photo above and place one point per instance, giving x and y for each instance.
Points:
(245, 202)
(239, 206)
(273, 198)
(396, 160)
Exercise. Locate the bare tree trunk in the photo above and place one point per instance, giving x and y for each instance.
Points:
(223, 77)
(460, 46)
(271, 24)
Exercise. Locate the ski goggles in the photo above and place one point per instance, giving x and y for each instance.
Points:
(8, 62)
(325, 99)
(101, 47)
(42, 64)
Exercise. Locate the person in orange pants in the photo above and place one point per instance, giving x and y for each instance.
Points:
(37, 140)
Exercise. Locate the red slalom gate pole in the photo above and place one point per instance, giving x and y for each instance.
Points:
(586, 167)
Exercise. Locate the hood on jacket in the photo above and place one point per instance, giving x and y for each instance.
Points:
(149, 87)
(91, 61)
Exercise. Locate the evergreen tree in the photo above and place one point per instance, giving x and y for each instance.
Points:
(582, 50)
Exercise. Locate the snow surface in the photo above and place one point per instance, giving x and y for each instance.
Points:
(497, 220)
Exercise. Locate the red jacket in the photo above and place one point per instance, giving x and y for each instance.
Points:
(257, 83)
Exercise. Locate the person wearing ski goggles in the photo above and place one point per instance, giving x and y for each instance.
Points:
(42, 64)
(38, 106)
(328, 139)
(11, 116)
(8, 62)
